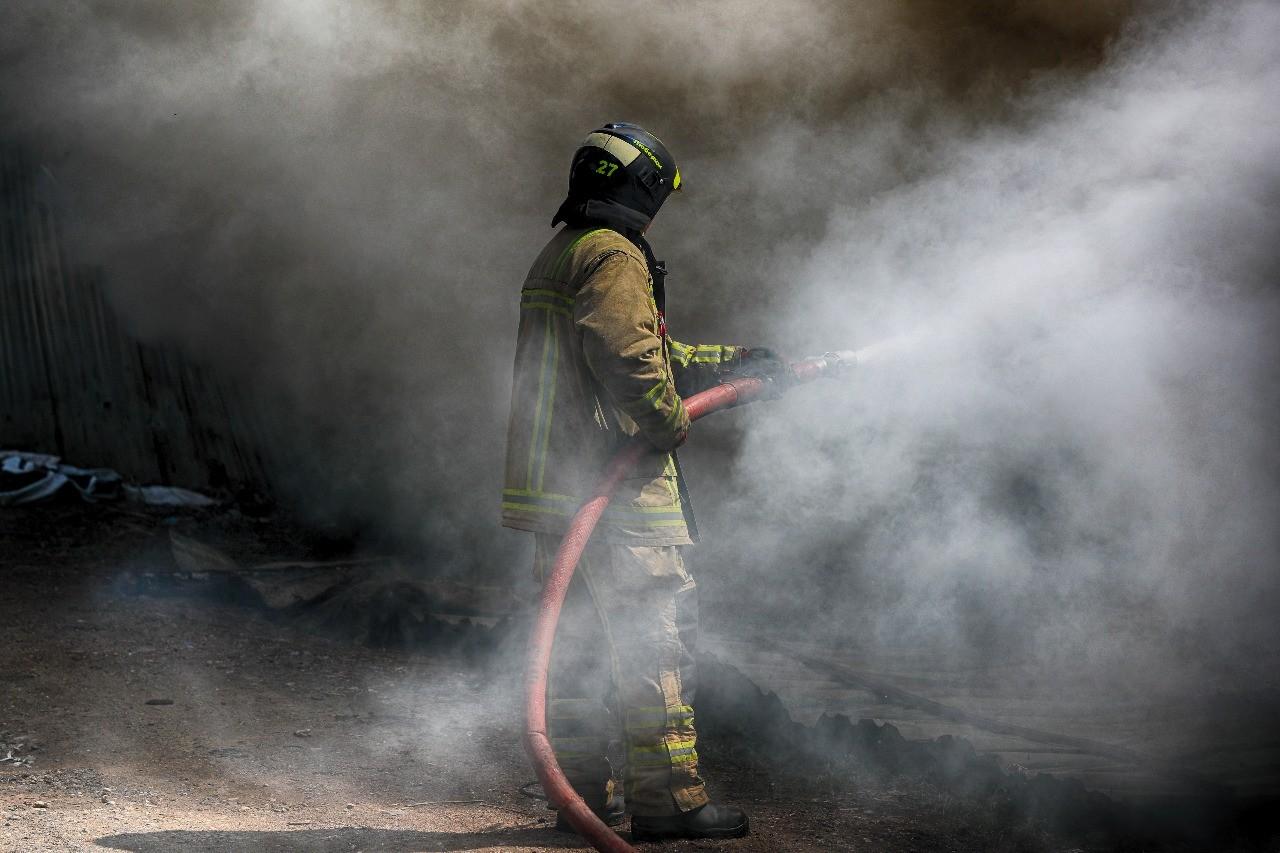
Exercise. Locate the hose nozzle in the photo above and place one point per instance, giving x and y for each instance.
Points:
(841, 361)
(830, 364)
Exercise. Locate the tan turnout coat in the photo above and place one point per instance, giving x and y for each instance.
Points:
(593, 368)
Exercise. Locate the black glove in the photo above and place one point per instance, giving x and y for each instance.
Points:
(763, 363)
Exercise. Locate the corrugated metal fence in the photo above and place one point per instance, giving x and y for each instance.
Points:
(74, 383)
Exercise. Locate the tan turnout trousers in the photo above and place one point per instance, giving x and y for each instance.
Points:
(622, 672)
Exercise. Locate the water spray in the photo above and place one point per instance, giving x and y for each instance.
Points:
(537, 744)
(888, 348)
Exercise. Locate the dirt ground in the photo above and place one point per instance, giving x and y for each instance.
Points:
(142, 716)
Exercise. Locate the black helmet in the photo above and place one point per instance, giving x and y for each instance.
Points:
(621, 175)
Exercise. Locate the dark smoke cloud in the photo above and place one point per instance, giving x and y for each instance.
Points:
(334, 204)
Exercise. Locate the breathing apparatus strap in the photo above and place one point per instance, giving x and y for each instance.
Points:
(658, 272)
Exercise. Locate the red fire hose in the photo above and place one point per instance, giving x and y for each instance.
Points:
(536, 743)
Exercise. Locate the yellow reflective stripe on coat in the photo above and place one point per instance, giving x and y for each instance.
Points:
(546, 306)
(564, 256)
(551, 401)
(675, 413)
(552, 302)
(713, 354)
(686, 354)
(530, 501)
(553, 295)
(548, 300)
(654, 394)
(546, 384)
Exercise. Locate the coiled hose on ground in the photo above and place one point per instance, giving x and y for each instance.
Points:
(536, 742)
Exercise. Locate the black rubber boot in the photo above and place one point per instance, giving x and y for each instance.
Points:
(612, 814)
(709, 821)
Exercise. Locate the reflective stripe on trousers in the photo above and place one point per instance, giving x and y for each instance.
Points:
(622, 671)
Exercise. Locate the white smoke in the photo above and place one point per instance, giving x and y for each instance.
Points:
(1066, 444)
(1068, 210)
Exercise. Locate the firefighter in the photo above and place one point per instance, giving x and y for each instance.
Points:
(594, 367)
